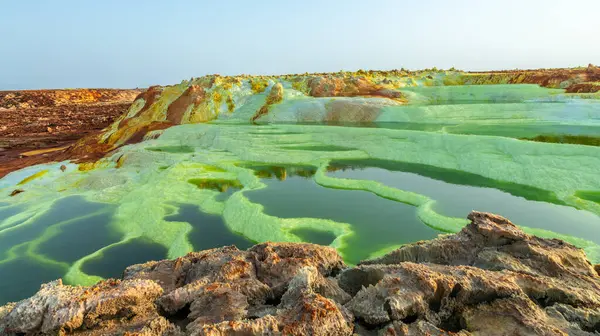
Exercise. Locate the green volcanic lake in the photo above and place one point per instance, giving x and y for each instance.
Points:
(376, 222)
(456, 194)
(363, 187)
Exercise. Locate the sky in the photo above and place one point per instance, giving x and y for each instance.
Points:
(138, 43)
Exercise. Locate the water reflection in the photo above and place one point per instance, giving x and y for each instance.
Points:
(457, 195)
(22, 277)
(72, 228)
(221, 185)
(209, 231)
(314, 236)
(115, 259)
(282, 172)
(377, 222)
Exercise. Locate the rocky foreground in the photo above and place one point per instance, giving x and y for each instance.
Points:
(489, 279)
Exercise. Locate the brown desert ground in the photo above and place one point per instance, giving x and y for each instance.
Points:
(36, 126)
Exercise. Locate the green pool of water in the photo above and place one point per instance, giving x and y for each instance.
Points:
(448, 175)
(22, 277)
(72, 210)
(589, 195)
(224, 195)
(41, 247)
(377, 222)
(8, 211)
(458, 193)
(280, 172)
(116, 258)
(314, 236)
(209, 231)
(78, 238)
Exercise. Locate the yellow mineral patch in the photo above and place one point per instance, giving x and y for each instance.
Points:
(230, 104)
(275, 96)
(87, 166)
(258, 85)
(33, 177)
(217, 97)
(120, 161)
(201, 113)
(44, 151)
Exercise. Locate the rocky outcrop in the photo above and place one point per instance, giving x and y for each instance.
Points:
(192, 96)
(348, 86)
(109, 305)
(568, 79)
(584, 88)
(489, 279)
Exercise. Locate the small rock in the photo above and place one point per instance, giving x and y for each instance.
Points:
(16, 192)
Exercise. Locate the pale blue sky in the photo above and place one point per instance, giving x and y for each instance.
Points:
(117, 43)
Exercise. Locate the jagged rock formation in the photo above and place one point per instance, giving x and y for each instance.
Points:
(489, 279)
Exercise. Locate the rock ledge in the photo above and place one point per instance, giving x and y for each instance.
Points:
(489, 279)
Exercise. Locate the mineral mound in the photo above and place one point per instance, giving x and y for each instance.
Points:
(56, 118)
(489, 279)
